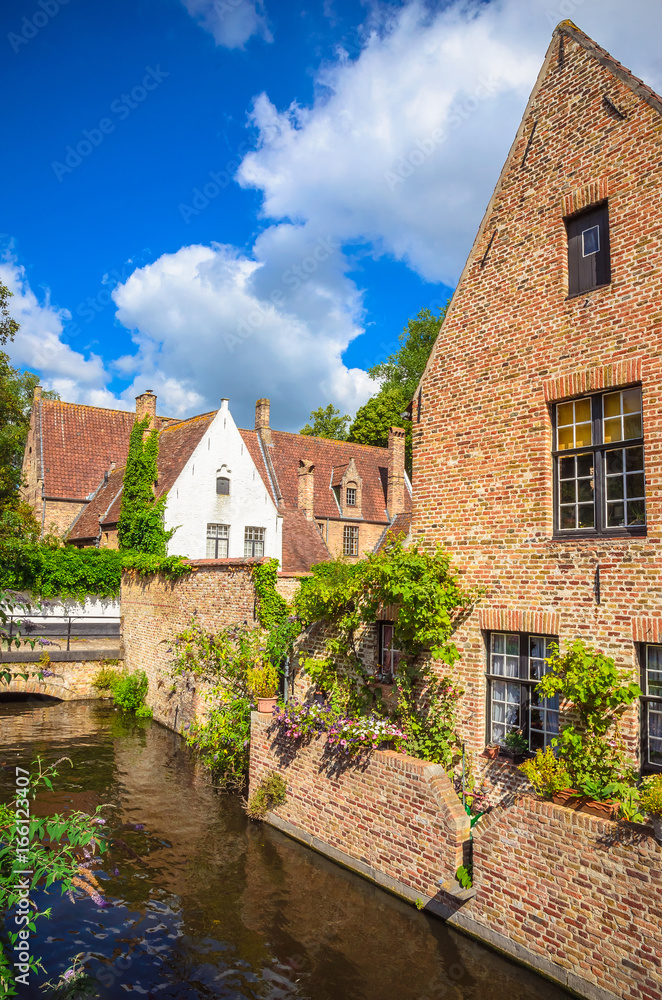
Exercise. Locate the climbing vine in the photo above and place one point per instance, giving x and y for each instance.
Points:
(140, 526)
(274, 613)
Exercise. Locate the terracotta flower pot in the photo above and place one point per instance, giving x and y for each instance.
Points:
(491, 752)
(266, 705)
(603, 810)
(569, 797)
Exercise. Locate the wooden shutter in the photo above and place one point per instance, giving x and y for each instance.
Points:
(587, 270)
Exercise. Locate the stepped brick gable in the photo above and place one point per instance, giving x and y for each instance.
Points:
(559, 302)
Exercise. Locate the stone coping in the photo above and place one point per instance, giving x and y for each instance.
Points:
(61, 655)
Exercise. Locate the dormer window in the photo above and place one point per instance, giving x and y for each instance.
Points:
(222, 486)
(350, 496)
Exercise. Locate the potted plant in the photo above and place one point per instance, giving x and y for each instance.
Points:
(515, 746)
(550, 778)
(491, 751)
(263, 684)
(651, 801)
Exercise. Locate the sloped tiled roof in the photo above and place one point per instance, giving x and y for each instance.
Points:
(176, 444)
(79, 443)
(327, 455)
(400, 525)
(303, 545)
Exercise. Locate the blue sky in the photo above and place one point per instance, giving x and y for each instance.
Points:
(228, 198)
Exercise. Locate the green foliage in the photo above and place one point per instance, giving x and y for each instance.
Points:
(8, 326)
(221, 659)
(598, 693)
(398, 376)
(48, 847)
(516, 741)
(129, 691)
(547, 773)
(74, 983)
(222, 741)
(327, 423)
(105, 679)
(431, 728)
(272, 791)
(140, 525)
(465, 875)
(274, 613)
(651, 794)
(18, 523)
(49, 569)
(263, 681)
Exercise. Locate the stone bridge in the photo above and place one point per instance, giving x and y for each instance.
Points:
(67, 676)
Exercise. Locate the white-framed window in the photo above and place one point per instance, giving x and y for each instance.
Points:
(516, 662)
(350, 496)
(651, 713)
(389, 654)
(218, 539)
(350, 540)
(253, 543)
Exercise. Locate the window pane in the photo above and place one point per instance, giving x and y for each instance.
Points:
(614, 487)
(568, 492)
(612, 430)
(583, 435)
(615, 460)
(566, 438)
(615, 515)
(568, 519)
(498, 664)
(634, 459)
(612, 404)
(654, 670)
(565, 414)
(632, 427)
(498, 642)
(583, 411)
(635, 485)
(211, 548)
(590, 241)
(585, 490)
(584, 466)
(499, 691)
(636, 512)
(512, 645)
(585, 516)
(632, 401)
(567, 468)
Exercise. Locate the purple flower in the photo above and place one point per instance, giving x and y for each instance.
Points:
(138, 826)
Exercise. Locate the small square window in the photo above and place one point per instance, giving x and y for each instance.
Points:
(590, 241)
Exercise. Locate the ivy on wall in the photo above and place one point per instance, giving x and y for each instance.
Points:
(274, 613)
(51, 570)
(140, 526)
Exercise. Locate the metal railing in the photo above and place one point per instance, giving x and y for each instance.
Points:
(63, 627)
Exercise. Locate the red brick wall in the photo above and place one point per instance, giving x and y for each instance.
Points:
(513, 342)
(218, 592)
(398, 815)
(583, 897)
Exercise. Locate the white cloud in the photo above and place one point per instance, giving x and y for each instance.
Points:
(403, 145)
(229, 325)
(38, 347)
(231, 22)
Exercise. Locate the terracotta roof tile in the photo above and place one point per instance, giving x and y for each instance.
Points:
(400, 525)
(86, 526)
(79, 444)
(303, 545)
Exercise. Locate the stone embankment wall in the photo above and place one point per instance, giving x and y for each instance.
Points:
(573, 897)
(67, 676)
(218, 593)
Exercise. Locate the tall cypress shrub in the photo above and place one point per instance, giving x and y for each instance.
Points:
(140, 526)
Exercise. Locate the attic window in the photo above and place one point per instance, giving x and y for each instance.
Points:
(588, 250)
(351, 496)
(222, 486)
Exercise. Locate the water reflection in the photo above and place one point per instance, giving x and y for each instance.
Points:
(205, 904)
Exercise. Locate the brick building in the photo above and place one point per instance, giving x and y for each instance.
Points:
(538, 422)
(231, 493)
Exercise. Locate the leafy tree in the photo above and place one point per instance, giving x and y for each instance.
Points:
(140, 525)
(327, 423)
(16, 394)
(398, 376)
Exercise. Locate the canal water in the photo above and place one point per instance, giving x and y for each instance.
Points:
(202, 903)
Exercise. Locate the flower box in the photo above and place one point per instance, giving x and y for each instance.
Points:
(569, 797)
(603, 810)
(516, 756)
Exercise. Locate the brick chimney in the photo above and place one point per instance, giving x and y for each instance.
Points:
(146, 406)
(262, 408)
(306, 487)
(395, 493)
(37, 394)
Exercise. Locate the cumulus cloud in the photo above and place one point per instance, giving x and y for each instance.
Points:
(230, 325)
(403, 144)
(231, 22)
(38, 346)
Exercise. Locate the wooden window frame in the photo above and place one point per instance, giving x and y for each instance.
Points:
(350, 502)
(387, 676)
(595, 216)
(224, 480)
(219, 538)
(525, 682)
(598, 449)
(250, 540)
(645, 700)
(350, 535)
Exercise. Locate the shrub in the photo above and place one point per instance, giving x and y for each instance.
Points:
(651, 795)
(105, 679)
(546, 773)
(222, 742)
(272, 791)
(263, 681)
(129, 691)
